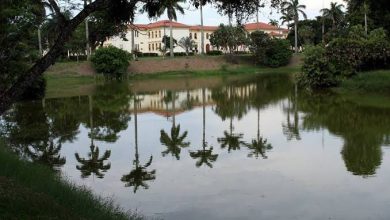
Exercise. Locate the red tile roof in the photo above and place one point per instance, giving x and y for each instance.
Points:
(206, 28)
(260, 25)
(166, 23)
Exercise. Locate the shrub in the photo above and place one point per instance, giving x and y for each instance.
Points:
(346, 55)
(111, 61)
(268, 51)
(317, 70)
(214, 53)
(277, 53)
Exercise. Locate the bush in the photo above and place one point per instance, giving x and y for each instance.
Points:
(317, 70)
(344, 57)
(111, 61)
(268, 51)
(214, 53)
(277, 53)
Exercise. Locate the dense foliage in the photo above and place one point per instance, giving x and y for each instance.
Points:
(345, 56)
(111, 61)
(269, 51)
(318, 71)
(229, 38)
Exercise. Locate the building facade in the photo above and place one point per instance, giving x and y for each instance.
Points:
(148, 38)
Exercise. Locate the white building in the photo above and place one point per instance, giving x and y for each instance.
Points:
(148, 37)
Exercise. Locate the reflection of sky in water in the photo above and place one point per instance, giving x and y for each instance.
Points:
(304, 179)
(301, 179)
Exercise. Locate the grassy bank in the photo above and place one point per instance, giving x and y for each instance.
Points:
(62, 85)
(32, 191)
(241, 70)
(367, 88)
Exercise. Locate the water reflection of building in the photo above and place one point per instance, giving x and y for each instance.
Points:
(160, 103)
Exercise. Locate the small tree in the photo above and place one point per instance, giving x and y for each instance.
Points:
(111, 61)
(229, 37)
(166, 40)
(187, 44)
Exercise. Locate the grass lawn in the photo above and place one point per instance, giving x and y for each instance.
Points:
(33, 191)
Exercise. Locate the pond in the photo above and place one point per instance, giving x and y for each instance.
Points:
(241, 147)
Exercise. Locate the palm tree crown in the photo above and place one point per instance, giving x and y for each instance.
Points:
(334, 13)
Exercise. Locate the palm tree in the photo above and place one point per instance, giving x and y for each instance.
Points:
(294, 8)
(334, 13)
(187, 44)
(199, 4)
(204, 155)
(286, 18)
(139, 175)
(94, 163)
(274, 22)
(171, 6)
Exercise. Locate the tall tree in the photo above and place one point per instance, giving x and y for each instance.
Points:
(335, 13)
(170, 7)
(295, 9)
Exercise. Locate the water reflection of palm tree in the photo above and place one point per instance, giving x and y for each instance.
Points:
(230, 140)
(139, 175)
(259, 146)
(291, 129)
(175, 141)
(230, 106)
(205, 155)
(48, 154)
(94, 164)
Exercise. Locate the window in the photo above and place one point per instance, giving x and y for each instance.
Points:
(195, 36)
(149, 47)
(156, 34)
(207, 36)
(190, 35)
(159, 46)
(159, 33)
(149, 34)
(152, 46)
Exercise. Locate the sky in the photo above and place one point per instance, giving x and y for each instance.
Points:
(211, 16)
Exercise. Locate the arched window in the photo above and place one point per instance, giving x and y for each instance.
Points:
(159, 33)
(195, 36)
(207, 36)
(152, 46)
(190, 35)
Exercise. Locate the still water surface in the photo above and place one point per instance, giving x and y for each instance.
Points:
(218, 148)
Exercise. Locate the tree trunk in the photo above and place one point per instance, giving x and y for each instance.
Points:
(171, 38)
(296, 35)
(40, 41)
(201, 29)
(87, 34)
(26, 79)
